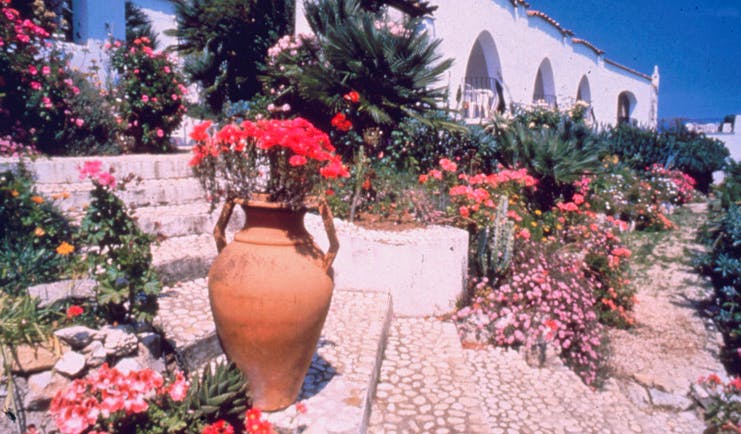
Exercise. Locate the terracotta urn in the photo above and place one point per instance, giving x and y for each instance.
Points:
(270, 290)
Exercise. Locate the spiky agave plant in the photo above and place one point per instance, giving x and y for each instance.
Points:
(219, 392)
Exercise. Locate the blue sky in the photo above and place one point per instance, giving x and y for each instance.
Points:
(697, 45)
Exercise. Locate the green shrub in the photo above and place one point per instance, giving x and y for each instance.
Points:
(94, 130)
(419, 145)
(31, 233)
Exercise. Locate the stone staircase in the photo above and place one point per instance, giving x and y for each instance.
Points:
(422, 361)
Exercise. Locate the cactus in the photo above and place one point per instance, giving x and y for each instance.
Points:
(219, 392)
(494, 244)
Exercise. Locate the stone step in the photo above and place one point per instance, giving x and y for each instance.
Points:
(340, 385)
(60, 170)
(425, 383)
(184, 258)
(148, 192)
(182, 220)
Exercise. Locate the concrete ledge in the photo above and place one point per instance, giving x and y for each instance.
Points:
(60, 170)
(425, 269)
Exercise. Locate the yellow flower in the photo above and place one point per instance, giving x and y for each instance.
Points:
(38, 199)
(559, 227)
(14, 193)
(65, 248)
(538, 212)
(533, 224)
(39, 232)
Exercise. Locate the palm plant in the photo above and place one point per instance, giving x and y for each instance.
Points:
(394, 67)
(557, 162)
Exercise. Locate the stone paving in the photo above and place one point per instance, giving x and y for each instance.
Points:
(425, 385)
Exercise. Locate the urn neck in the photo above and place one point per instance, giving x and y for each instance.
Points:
(273, 225)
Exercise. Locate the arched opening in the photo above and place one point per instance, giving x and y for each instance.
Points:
(545, 88)
(584, 93)
(483, 85)
(626, 106)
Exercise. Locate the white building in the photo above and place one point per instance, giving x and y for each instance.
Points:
(505, 53)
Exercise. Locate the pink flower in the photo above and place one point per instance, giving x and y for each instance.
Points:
(145, 98)
(32, 70)
(448, 165)
(46, 70)
(297, 160)
(90, 168)
(166, 69)
(160, 133)
(178, 390)
(107, 179)
(35, 85)
(46, 102)
(524, 234)
(79, 122)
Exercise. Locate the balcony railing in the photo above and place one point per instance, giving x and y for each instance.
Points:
(481, 97)
(550, 100)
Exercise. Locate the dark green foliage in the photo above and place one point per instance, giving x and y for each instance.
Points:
(139, 25)
(730, 189)
(394, 68)
(692, 153)
(418, 145)
(30, 232)
(121, 259)
(224, 43)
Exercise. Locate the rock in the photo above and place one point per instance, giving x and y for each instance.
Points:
(95, 354)
(48, 293)
(669, 401)
(152, 342)
(119, 340)
(700, 394)
(542, 355)
(637, 394)
(128, 364)
(78, 336)
(41, 389)
(71, 364)
(30, 359)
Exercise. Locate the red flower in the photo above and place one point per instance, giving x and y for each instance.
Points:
(352, 96)
(448, 165)
(422, 178)
(199, 133)
(341, 122)
(218, 427)
(74, 311)
(297, 160)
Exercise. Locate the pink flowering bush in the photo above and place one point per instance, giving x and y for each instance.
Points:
(471, 200)
(149, 94)
(671, 186)
(111, 401)
(547, 298)
(35, 88)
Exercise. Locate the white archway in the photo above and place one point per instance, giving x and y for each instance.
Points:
(545, 87)
(584, 92)
(483, 84)
(625, 107)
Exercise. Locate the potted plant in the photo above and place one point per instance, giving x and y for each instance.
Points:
(270, 288)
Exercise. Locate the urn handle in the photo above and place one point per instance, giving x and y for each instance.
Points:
(334, 243)
(220, 228)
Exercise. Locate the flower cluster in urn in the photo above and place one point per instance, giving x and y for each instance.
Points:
(287, 160)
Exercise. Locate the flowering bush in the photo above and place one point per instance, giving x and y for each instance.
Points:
(34, 85)
(36, 240)
(119, 253)
(285, 159)
(148, 94)
(671, 186)
(723, 409)
(473, 199)
(111, 401)
(547, 298)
